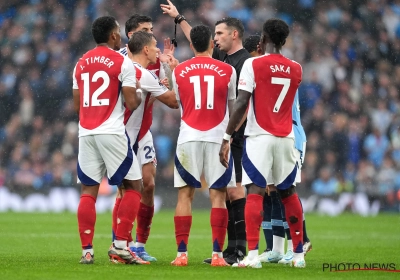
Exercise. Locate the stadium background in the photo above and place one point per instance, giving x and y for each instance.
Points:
(349, 50)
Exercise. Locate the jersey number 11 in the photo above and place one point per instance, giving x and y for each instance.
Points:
(195, 80)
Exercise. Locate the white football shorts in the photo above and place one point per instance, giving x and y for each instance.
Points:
(146, 152)
(300, 161)
(268, 159)
(192, 159)
(109, 153)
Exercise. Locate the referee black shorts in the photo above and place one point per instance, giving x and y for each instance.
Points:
(237, 152)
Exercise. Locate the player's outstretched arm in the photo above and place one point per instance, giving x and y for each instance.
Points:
(239, 109)
(168, 63)
(172, 11)
(132, 96)
(169, 99)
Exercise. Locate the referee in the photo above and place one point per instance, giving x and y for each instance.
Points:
(229, 48)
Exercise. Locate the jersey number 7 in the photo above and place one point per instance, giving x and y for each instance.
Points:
(286, 84)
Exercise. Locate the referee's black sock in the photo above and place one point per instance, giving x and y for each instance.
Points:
(240, 226)
(266, 224)
(278, 231)
(230, 249)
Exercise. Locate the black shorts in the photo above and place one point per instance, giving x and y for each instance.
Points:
(237, 153)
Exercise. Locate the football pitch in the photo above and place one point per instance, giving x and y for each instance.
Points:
(47, 246)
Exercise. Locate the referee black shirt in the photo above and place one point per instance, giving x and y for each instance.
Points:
(236, 60)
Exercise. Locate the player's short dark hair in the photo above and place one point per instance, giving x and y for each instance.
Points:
(233, 23)
(251, 43)
(102, 28)
(200, 36)
(139, 40)
(276, 30)
(133, 22)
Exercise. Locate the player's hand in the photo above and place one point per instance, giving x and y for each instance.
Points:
(169, 9)
(223, 153)
(169, 48)
(165, 82)
(172, 62)
(164, 58)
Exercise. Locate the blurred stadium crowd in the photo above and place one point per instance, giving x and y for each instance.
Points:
(349, 50)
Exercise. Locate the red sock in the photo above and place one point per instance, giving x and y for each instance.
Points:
(294, 218)
(127, 212)
(182, 230)
(219, 224)
(114, 215)
(144, 218)
(86, 220)
(253, 213)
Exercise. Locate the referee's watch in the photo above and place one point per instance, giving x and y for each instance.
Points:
(179, 18)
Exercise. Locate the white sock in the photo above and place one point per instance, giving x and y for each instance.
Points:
(298, 256)
(180, 253)
(120, 244)
(84, 251)
(278, 244)
(289, 245)
(252, 254)
(138, 244)
(132, 244)
(219, 254)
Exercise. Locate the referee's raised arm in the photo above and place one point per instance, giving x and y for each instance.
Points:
(172, 11)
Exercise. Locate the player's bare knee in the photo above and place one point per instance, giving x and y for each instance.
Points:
(272, 188)
(288, 192)
(148, 195)
(149, 186)
(135, 185)
(236, 193)
(186, 193)
(254, 189)
(217, 197)
(120, 191)
(90, 190)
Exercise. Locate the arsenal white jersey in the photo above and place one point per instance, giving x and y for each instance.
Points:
(99, 76)
(150, 86)
(147, 121)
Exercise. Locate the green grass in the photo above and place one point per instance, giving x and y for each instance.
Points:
(46, 246)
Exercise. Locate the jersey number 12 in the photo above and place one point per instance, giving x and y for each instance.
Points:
(95, 97)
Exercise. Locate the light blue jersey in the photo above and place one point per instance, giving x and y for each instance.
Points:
(299, 134)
